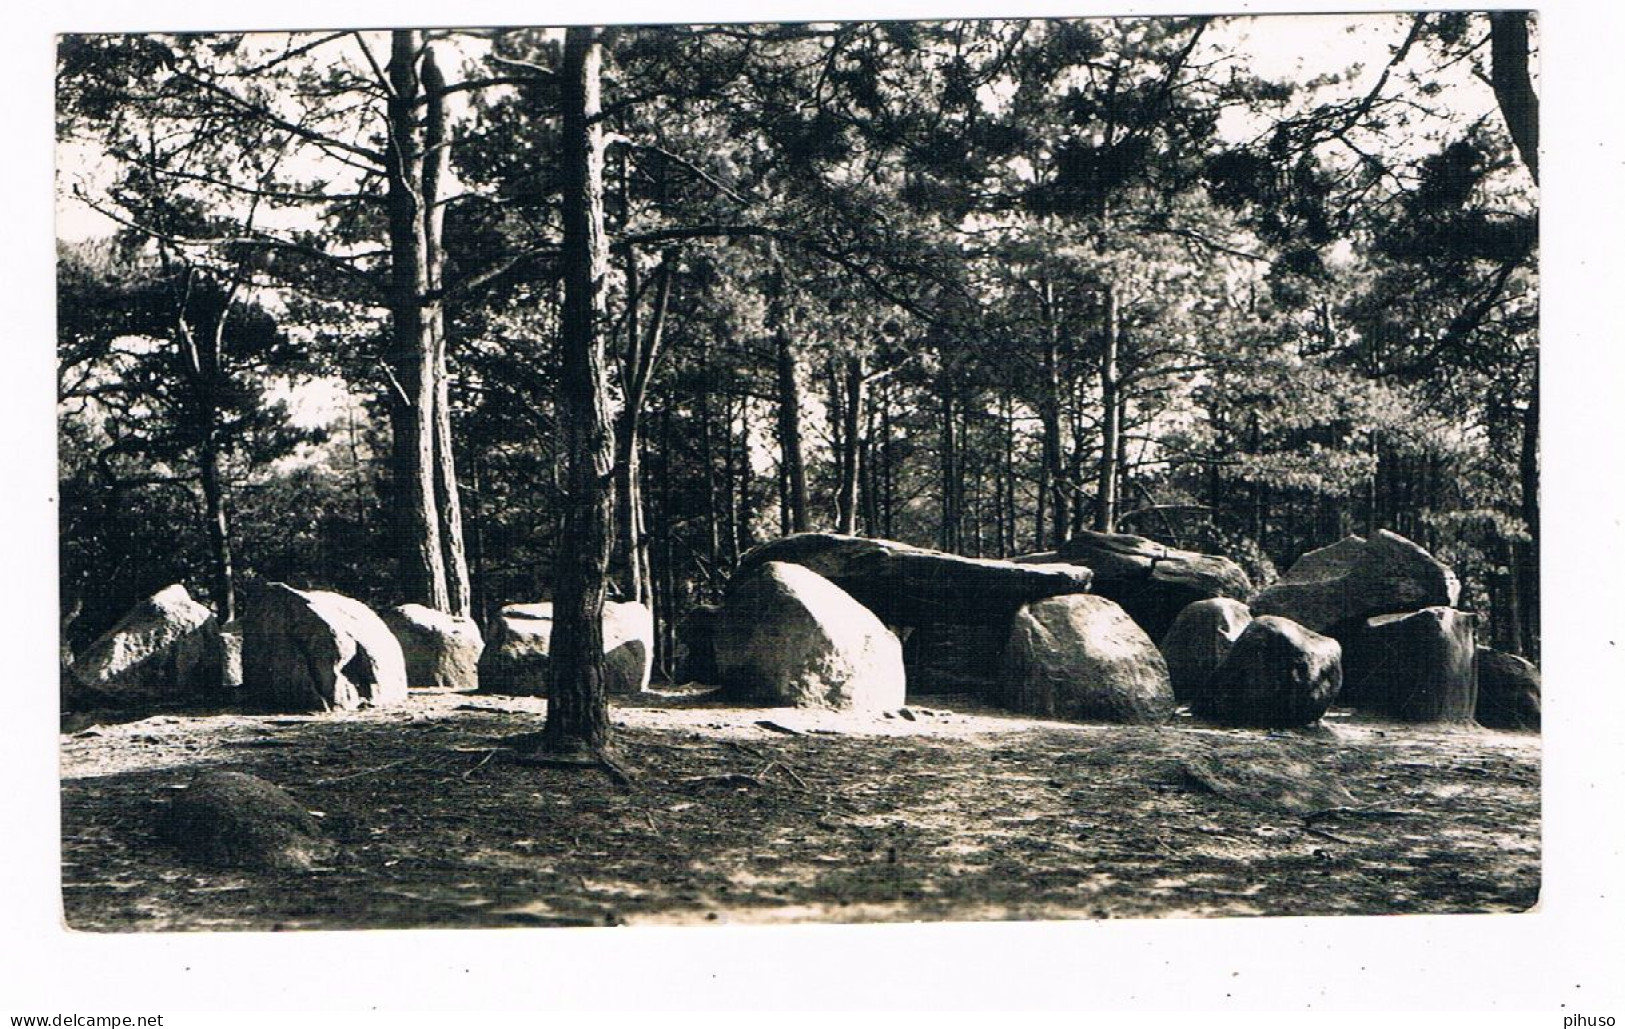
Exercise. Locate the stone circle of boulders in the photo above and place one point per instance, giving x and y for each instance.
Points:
(1196, 644)
(1330, 589)
(1508, 691)
(517, 662)
(1151, 581)
(1413, 666)
(1081, 657)
(442, 651)
(166, 647)
(311, 650)
(787, 636)
(235, 820)
(1276, 675)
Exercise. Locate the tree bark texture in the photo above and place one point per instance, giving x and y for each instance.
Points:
(577, 710)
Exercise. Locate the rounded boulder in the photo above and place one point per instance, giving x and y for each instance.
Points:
(1277, 675)
(1081, 657)
(788, 636)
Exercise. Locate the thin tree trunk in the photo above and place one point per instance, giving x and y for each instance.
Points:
(851, 444)
(744, 520)
(577, 709)
(870, 463)
(1111, 413)
(214, 504)
(789, 390)
(948, 531)
(888, 468)
(1049, 414)
(713, 539)
(1529, 565)
(730, 487)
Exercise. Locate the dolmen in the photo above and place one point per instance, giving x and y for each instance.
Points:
(442, 651)
(165, 648)
(956, 611)
(516, 660)
(312, 650)
(1407, 650)
(1151, 581)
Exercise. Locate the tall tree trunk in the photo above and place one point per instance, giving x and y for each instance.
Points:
(948, 531)
(637, 367)
(713, 538)
(413, 345)
(789, 390)
(577, 708)
(448, 502)
(745, 513)
(1049, 416)
(1111, 415)
(730, 486)
(870, 464)
(856, 385)
(888, 468)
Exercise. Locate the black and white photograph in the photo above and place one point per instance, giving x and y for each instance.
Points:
(719, 474)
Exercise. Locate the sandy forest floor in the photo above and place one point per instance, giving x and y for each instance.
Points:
(945, 811)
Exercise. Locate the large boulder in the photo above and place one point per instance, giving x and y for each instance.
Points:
(517, 662)
(1414, 666)
(166, 647)
(1356, 578)
(311, 650)
(911, 586)
(1508, 691)
(1082, 657)
(788, 636)
(1198, 641)
(1149, 580)
(1277, 675)
(441, 650)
